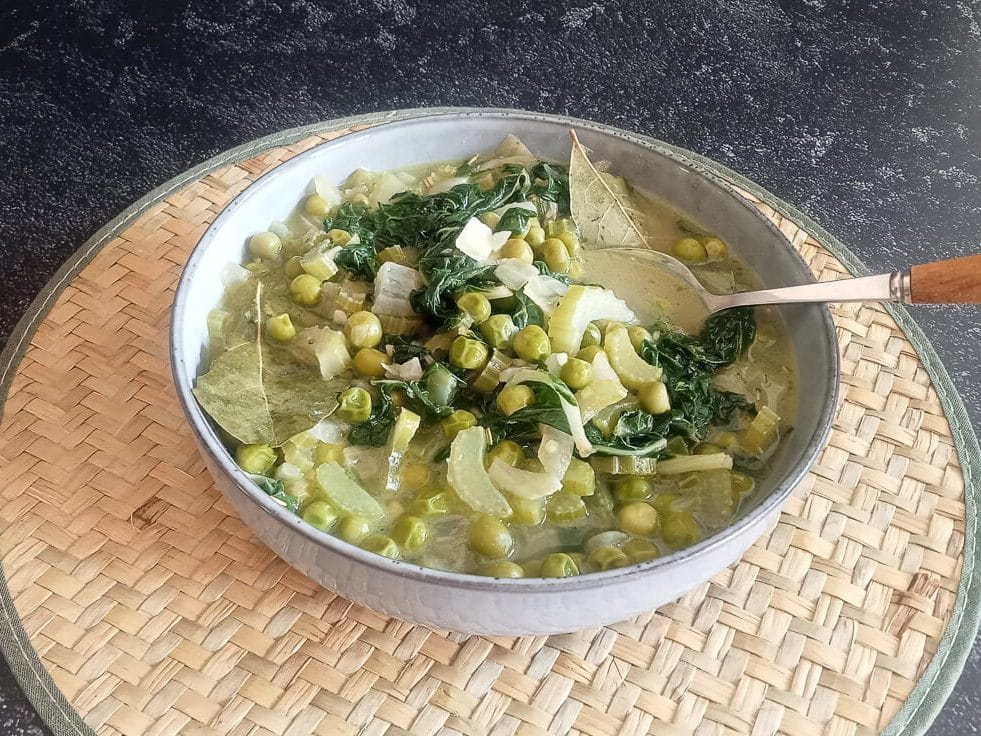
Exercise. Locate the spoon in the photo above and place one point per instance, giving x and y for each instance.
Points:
(951, 281)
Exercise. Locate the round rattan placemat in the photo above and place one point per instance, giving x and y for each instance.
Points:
(135, 602)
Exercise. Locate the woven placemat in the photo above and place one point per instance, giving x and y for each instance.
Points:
(137, 603)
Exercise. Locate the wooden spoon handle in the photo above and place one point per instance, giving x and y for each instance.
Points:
(953, 281)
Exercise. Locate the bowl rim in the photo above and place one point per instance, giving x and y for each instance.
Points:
(211, 444)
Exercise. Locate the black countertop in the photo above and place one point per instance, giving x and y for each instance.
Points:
(865, 115)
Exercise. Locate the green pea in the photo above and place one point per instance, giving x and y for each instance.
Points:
(559, 565)
(411, 533)
(338, 236)
(507, 451)
(305, 290)
(571, 243)
(513, 398)
(641, 550)
(592, 336)
(556, 255)
(467, 353)
(577, 373)
(265, 245)
(535, 237)
(381, 545)
(638, 518)
(666, 503)
(363, 329)
(354, 528)
(441, 385)
(490, 537)
(503, 569)
(457, 422)
(680, 530)
(531, 343)
(565, 507)
(474, 304)
(255, 459)
(589, 352)
(497, 330)
(518, 249)
(654, 398)
(316, 206)
(689, 250)
(608, 558)
(280, 328)
(354, 405)
(632, 488)
(320, 514)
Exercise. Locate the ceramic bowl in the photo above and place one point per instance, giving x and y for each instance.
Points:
(469, 603)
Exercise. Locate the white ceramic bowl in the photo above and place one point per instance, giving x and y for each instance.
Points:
(471, 603)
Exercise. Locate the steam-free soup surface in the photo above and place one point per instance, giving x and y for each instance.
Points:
(419, 363)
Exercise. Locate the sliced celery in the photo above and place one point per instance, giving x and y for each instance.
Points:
(341, 490)
(625, 465)
(522, 483)
(577, 308)
(466, 475)
(694, 463)
(634, 371)
(762, 432)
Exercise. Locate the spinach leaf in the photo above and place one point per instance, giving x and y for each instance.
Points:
(635, 433)
(277, 491)
(550, 183)
(690, 362)
(375, 431)
(403, 349)
(526, 312)
(522, 425)
(360, 260)
(453, 275)
(515, 220)
(419, 393)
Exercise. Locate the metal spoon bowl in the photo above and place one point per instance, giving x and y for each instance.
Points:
(953, 281)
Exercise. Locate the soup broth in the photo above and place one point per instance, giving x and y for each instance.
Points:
(417, 362)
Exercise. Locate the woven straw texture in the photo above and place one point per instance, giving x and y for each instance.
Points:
(156, 612)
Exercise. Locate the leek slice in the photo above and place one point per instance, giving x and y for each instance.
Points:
(466, 475)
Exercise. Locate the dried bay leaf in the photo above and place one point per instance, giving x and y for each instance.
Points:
(602, 204)
(263, 397)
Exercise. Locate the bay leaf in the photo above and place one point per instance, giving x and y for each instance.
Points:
(264, 397)
(602, 204)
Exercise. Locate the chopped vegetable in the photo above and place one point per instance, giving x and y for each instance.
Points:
(466, 474)
(580, 306)
(344, 493)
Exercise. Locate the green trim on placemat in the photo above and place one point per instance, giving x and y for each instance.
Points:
(927, 696)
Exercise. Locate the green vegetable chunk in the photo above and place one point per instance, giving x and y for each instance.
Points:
(320, 515)
(344, 493)
(559, 565)
(531, 343)
(467, 476)
(489, 537)
(468, 353)
(255, 458)
(680, 530)
(354, 405)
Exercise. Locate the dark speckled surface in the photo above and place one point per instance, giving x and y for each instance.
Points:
(865, 115)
